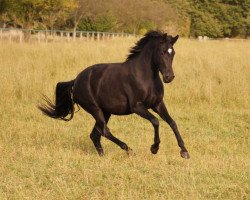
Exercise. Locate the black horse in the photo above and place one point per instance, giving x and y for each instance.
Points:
(133, 86)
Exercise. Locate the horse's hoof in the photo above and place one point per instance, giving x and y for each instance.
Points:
(184, 154)
(154, 149)
(100, 152)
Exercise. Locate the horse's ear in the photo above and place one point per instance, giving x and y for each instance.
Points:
(164, 37)
(174, 39)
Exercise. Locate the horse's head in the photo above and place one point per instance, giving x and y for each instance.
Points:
(164, 55)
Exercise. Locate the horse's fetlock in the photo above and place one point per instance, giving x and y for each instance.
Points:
(157, 142)
(124, 146)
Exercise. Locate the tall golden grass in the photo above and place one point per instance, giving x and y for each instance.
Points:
(41, 158)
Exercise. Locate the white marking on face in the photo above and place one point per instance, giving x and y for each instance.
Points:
(170, 50)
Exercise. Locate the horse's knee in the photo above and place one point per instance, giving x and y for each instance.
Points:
(155, 122)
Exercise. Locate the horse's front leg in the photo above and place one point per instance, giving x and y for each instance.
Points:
(140, 110)
(163, 112)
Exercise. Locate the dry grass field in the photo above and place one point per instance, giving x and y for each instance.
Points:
(42, 158)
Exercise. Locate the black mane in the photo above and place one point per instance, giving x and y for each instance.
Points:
(135, 51)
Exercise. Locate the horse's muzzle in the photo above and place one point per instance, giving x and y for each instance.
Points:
(168, 79)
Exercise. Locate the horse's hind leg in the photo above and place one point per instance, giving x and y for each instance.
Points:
(96, 137)
(112, 138)
(101, 127)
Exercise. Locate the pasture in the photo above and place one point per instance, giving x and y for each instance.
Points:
(42, 158)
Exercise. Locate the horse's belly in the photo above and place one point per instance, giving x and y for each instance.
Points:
(113, 101)
(117, 109)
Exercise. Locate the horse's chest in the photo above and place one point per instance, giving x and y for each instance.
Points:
(153, 97)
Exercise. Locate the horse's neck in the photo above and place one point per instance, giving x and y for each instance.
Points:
(143, 67)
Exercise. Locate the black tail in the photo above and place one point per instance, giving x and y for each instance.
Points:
(64, 104)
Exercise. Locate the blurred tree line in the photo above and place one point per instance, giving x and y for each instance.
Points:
(213, 18)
